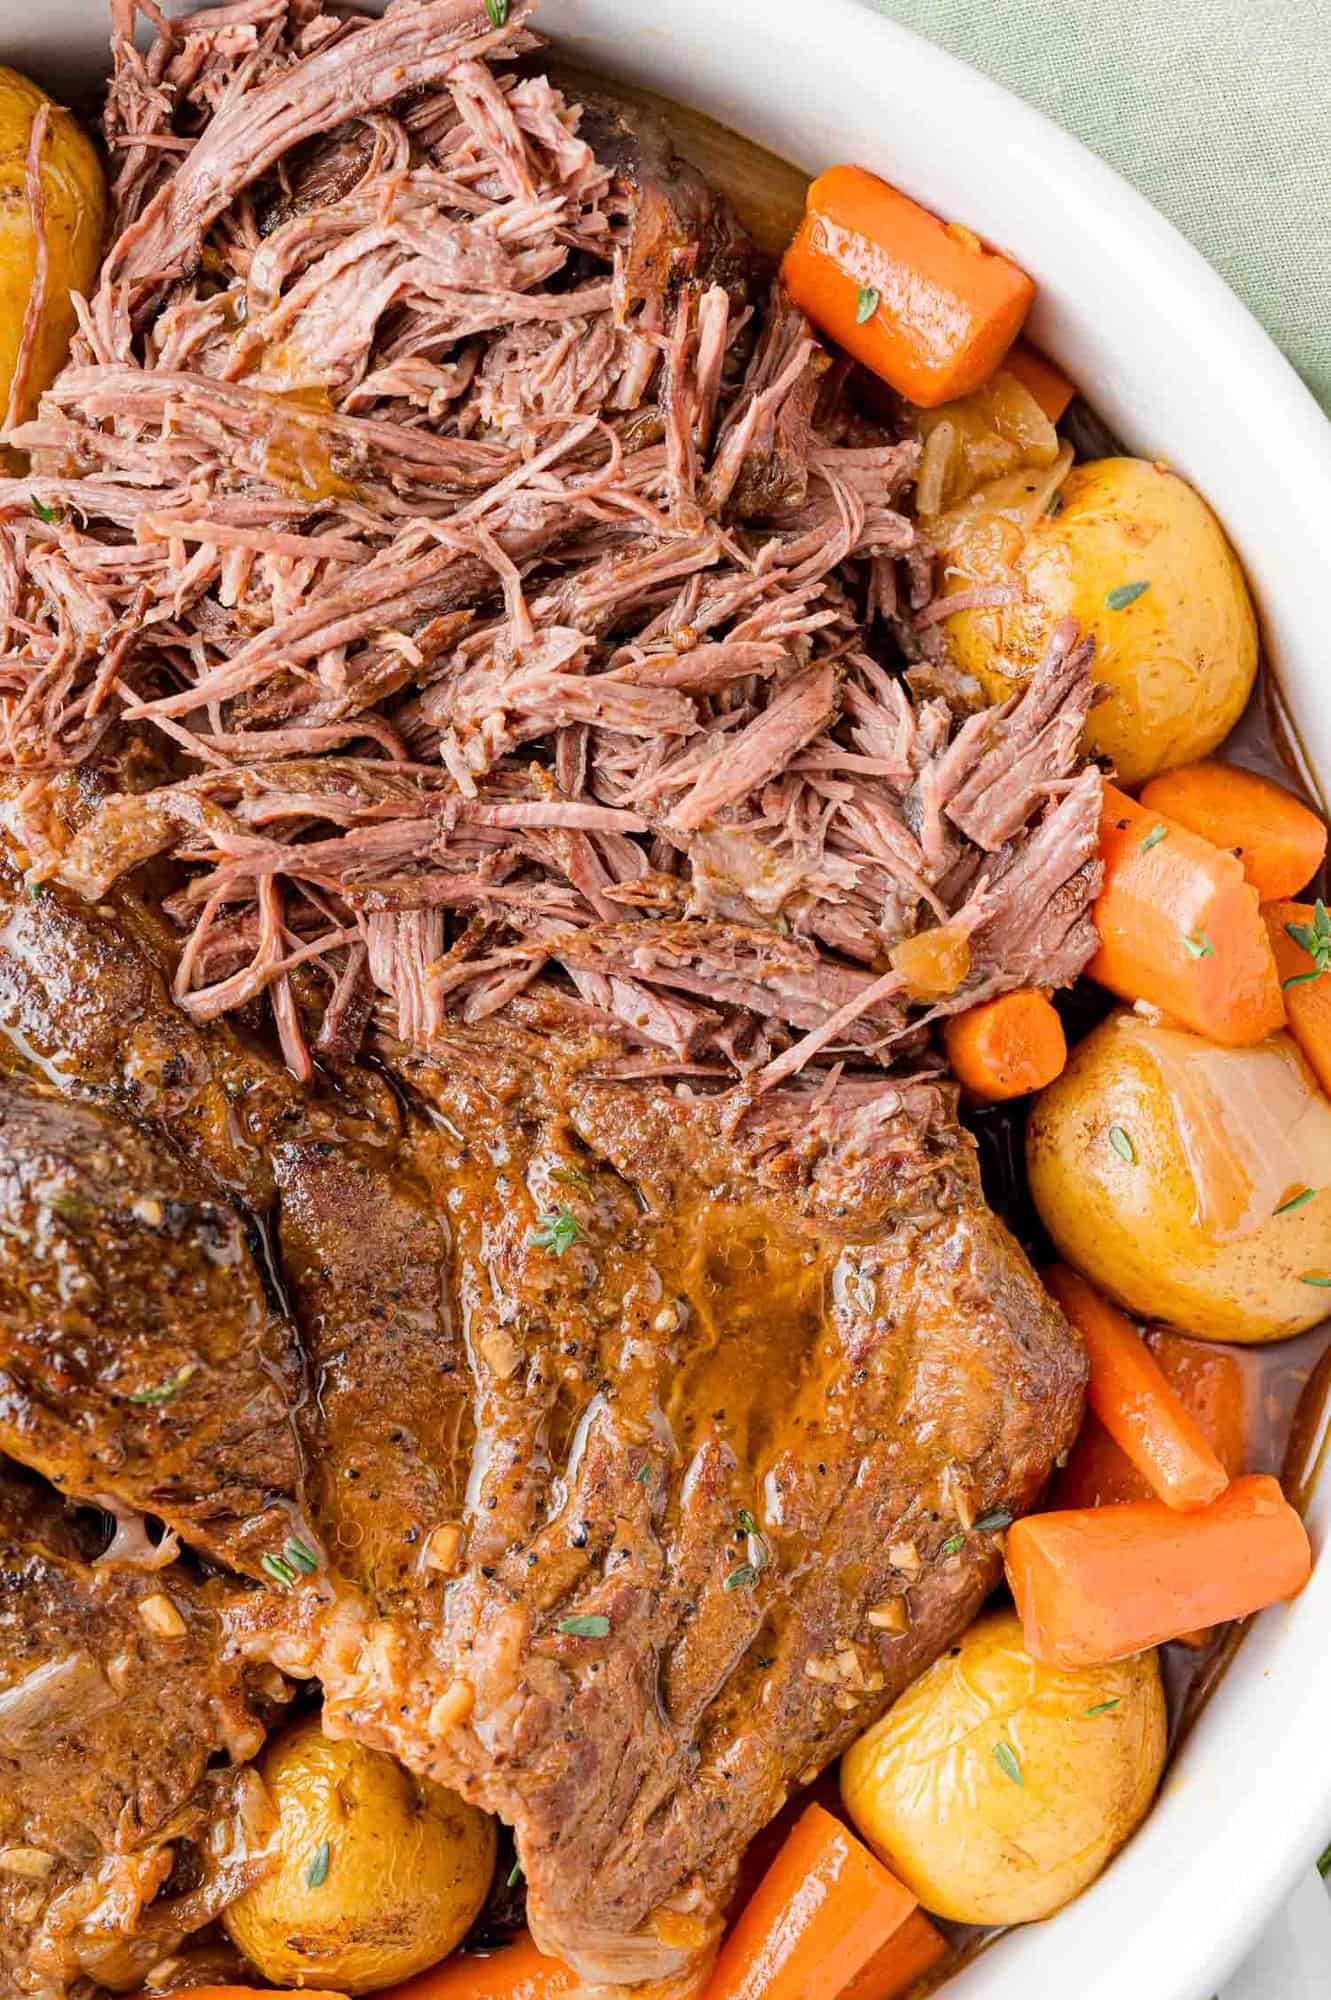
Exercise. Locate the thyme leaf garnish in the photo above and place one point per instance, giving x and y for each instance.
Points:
(866, 305)
(1007, 1761)
(1124, 594)
(592, 1626)
(1315, 939)
(557, 1230)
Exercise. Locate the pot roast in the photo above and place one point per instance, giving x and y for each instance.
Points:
(482, 1229)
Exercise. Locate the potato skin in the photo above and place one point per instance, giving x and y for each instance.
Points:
(928, 1794)
(75, 195)
(1180, 659)
(1186, 1230)
(409, 1866)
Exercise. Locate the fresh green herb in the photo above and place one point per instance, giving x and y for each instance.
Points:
(1103, 1707)
(47, 514)
(498, 12)
(747, 1524)
(164, 1390)
(69, 1207)
(1314, 1278)
(1124, 594)
(989, 1524)
(592, 1627)
(557, 1230)
(1006, 1759)
(280, 1571)
(1324, 1865)
(644, 1474)
(300, 1557)
(1299, 1200)
(1198, 945)
(741, 1577)
(1121, 1142)
(1153, 838)
(1315, 939)
(514, 1875)
(952, 1544)
(317, 1872)
(866, 305)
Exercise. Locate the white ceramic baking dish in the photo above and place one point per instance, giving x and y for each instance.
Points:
(1180, 371)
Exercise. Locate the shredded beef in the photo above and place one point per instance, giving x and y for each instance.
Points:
(440, 475)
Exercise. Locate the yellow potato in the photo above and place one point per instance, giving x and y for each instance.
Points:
(1159, 1162)
(1180, 657)
(996, 1788)
(74, 191)
(380, 1873)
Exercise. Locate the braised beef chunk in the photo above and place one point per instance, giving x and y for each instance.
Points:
(122, 1730)
(738, 1398)
(365, 1254)
(140, 1359)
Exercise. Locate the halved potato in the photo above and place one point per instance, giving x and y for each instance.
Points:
(1192, 1183)
(1138, 558)
(74, 196)
(379, 1873)
(997, 1788)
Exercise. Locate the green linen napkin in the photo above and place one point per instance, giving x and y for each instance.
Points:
(1218, 110)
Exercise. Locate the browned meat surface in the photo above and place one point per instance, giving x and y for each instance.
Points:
(140, 1359)
(467, 1160)
(702, 1481)
(121, 1736)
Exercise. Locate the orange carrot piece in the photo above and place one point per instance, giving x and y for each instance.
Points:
(908, 1954)
(1006, 1047)
(1040, 378)
(1279, 841)
(919, 301)
(1220, 1387)
(1101, 1583)
(824, 1908)
(1307, 990)
(1180, 927)
(1129, 1394)
(257, 1993)
(518, 1972)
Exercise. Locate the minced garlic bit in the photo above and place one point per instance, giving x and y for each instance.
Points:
(148, 1210)
(34, 1864)
(160, 1615)
(905, 1556)
(891, 1616)
(453, 1707)
(443, 1547)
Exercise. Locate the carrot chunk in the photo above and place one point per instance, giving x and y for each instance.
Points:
(824, 1908)
(1279, 841)
(1039, 376)
(1006, 1047)
(908, 1954)
(518, 1972)
(1097, 1584)
(1221, 1388)
(1180, 927)
(1129, 1394)
(920, 302)
(1303, 962)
